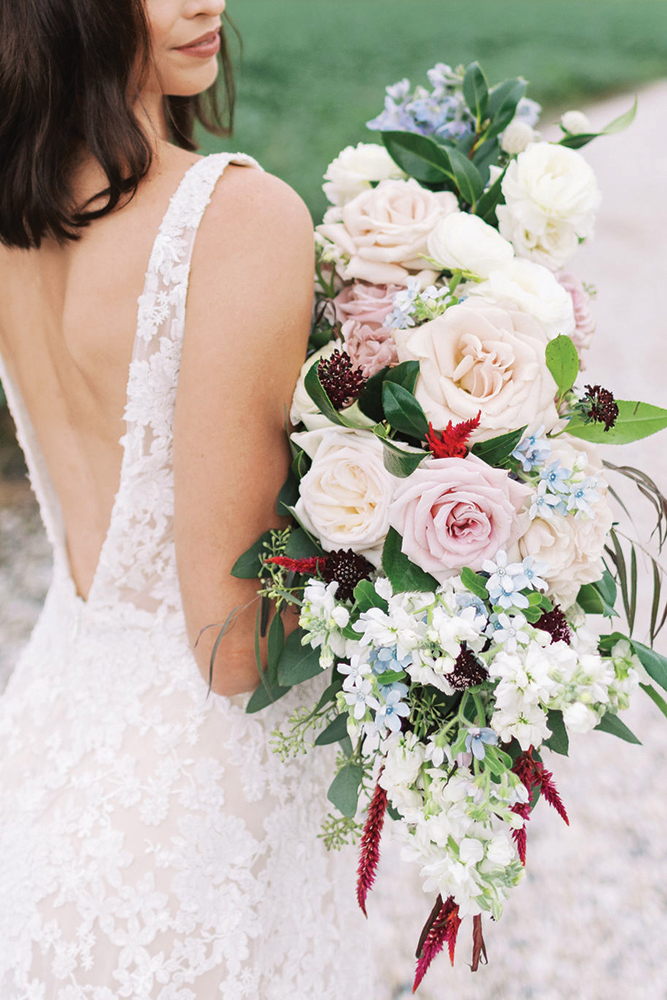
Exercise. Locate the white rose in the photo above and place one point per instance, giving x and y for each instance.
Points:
(345, 495)
(380, 234)
(551, 197)
(303, 409)
(354, 168)
(572, 549)
(517, 136)
(481, 357)
(534, 290)
(464, 242)
(500, 851)
(576, 122)
(579, 718)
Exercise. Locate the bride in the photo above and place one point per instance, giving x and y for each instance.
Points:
(151, 845)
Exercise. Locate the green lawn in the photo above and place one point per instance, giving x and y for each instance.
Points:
(313, 71)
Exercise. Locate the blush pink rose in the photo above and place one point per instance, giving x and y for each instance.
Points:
(584, 319)
(368, 304)
(371, 347)
(456, 512)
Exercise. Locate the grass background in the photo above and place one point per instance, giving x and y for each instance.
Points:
(314, 71)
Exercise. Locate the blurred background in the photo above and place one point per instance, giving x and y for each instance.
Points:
(590, 920)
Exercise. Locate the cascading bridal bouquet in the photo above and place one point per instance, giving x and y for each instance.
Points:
(451, 532)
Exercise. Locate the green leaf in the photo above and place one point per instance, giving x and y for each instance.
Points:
(403, 575)
(654, 663)
(249, 565)
(607, 642)
(401, 462)
(503, 101)
(655, 697)
(297, 662)
(476, 91)
(300, 463)
(403, 412)
(288, 496)
(350, 417)
(300, 545)
(475, 583)
(599, 598)
(370, 401)
(344, 789)
(617, 125)
(497, 450)
(559, 741)
(635, 420)
(275, 643)
(329, 694)
(563, 362)
(492, 197)
(419, 156)
(467, 176)
(391, 676)
(334, 732)
(366, 597)
(264, 696)
(485, 156)
(612, 724)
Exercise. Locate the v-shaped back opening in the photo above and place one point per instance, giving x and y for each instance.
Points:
(49, 501)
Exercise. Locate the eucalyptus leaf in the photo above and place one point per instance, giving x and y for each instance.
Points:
(300, 545)
(297, 662)
(344, 789)
(403, 575)
(249, 565)
(635, 420)
(563, 362)
(334, 732)
(264, 696)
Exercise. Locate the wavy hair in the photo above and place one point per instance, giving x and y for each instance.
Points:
(67, 82)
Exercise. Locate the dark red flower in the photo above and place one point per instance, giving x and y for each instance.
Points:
(599, 405)
(534, 775)
(555, 623)
(348, 569)
(341, 381)
(369, 853)
(441, 929)
(452, 441)
(467, 671)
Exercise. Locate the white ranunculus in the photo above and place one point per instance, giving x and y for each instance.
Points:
(580, 718)
(355, 168)
(465, 242)
(345, 495)
(517, 136)
(534, 290)
(551, 197)
(304, 410)
(572, 549)
(576, 122)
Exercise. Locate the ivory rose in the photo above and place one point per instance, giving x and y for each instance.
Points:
(354, 168)
(481, 357)
(345, 495)
(571, 548)
(533, 289)
(465, 242)
(380, 234)
(456, 512)
(371, 347)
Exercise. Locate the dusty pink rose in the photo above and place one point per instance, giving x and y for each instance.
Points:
(370, 346)
(456, 512)
(369, 304)
(584, 319)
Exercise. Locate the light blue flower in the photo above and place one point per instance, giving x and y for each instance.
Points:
(582, 496)
(533, 451)
(476, 739)
(556, 477)
(390, 714)
(530, 577)
(546, 504)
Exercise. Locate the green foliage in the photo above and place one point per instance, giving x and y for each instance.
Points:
(249, 565)
(617, 125)
(300, 545)
(635, 420)
(400, 461)
(402, 411)
(563, 362)
(403, 574)
(334, 732)
(344, 789)
(559, 741)
(498, 450)
(366, 597)
(297, 662)
(476, 92)
(654, 663)
(265, 695)
(475, 583)
(612, 724)
(599, 598)
(350, 417)
(655, 697)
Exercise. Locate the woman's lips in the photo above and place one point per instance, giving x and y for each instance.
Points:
(203, 48)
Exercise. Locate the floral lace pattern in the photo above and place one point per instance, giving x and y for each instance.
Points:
(151, 845)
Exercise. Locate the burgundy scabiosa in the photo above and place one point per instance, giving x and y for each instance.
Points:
(341, 381)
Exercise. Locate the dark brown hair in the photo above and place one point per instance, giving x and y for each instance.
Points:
(66, 83)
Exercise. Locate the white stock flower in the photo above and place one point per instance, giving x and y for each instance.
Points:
(344, 497)
(517, 136)
(500, 850)
(304, 410)
(529, 726)
(534, 290)
(576, 122)
(465, 242)
(580, 718)
(354, 168)
(551, 197)
(403, 763)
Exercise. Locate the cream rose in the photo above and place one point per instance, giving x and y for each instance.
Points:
(464, 242)
(355, 168)
(571, 548)
(345, 495)
(303, 410)
(534, 290)
(380, 234)
(481, 357)
(551, 197)
(456, 512)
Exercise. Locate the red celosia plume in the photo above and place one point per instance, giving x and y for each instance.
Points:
(534, 774)
(452, 442)
(369, 853)
(441, 929)
(304, 566)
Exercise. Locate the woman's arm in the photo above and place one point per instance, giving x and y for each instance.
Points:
(248, 318)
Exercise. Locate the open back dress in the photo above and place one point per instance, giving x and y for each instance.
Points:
(151, 844)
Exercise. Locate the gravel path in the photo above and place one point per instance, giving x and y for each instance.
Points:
(589, 920)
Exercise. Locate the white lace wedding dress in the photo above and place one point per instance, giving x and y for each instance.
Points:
(151, 845)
